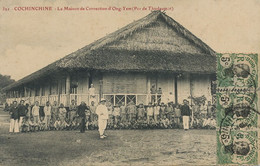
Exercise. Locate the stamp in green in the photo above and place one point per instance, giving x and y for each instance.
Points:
(238, 70)
(237, 112)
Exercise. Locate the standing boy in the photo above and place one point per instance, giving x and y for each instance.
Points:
(55, 111)
(92, 108)
(22, 113)
(209, 109)
(123, 112)
(177, 115)
(47, 112)
(132, 111)
(36, 112)
(140, 111)
(149, 110)
(72, 110)
(156, 112)
(116, 114)
(62, 113)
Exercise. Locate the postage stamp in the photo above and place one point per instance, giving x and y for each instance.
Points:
(237, 112)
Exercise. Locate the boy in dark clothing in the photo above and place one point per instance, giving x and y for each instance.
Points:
(22, 112)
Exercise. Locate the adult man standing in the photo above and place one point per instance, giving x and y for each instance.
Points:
(185, 112)
(102, 113)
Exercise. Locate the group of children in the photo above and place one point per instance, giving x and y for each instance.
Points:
(158, 116)
(121, 116)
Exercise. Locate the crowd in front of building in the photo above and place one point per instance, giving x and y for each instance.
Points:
(28, 118)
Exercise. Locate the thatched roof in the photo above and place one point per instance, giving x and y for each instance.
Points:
(154, 43)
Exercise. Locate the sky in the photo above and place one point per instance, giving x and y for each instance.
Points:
(30, 40)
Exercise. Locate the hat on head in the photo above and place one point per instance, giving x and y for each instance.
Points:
(103, 99)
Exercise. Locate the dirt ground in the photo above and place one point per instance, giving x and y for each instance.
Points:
(122, 147)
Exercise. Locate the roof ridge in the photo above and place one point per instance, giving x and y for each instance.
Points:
(98, 43)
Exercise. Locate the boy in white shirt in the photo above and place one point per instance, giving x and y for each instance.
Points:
(47, 112)
(116, 113)
(149, 110)
(36, 112)
(156, 112)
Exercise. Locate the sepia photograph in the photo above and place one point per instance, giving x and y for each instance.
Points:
(122, 82)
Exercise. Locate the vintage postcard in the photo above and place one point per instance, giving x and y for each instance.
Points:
(118, 82)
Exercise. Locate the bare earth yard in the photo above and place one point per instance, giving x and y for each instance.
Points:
(122, 147)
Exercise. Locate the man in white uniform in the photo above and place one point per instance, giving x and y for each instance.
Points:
(102, 113)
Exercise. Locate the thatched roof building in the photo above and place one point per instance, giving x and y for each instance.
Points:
(144, 45)
(124, 65)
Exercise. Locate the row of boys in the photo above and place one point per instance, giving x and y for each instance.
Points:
(26, 118)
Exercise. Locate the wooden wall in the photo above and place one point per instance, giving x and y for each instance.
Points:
(166, 83)
(201, 85)
(124, 83)
(183, 88)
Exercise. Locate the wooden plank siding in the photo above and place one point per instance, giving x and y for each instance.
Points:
(183, 87)
(124, 83)
(201, 85)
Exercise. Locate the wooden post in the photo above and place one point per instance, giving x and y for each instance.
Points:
(100, 88)
(148, 90)
(67, 90)
(175, 88)
(114, 100)
(40, 93)
(49, 91)
(191, 89)
(148, 84)
(25, 92)
(40, 96)
(59, 91)
(34, 93)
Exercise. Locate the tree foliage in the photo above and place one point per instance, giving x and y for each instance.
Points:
(5, 81)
